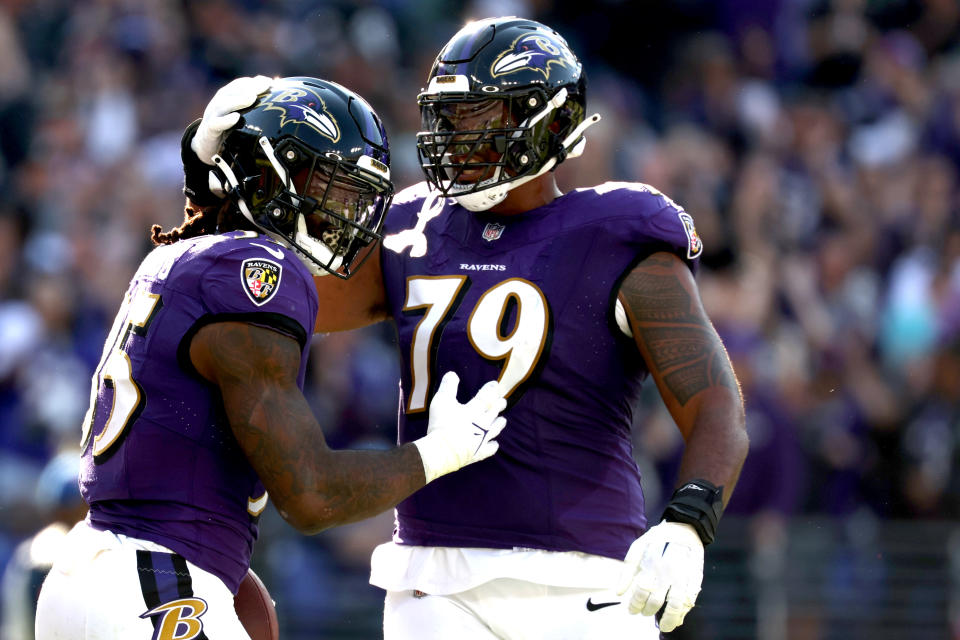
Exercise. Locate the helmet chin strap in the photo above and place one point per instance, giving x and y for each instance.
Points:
(482, 200)
(316, 248)
(574, 145)
(485, 198)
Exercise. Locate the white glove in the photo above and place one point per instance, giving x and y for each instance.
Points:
(223, 112)
(664, 564)
(460, 434)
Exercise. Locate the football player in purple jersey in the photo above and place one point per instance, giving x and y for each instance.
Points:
(197, 412)
(571, 300)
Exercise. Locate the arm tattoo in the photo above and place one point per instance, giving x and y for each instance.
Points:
(256, 371)
(254, 368)
(672, 329)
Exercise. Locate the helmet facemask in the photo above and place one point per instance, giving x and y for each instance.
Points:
(476, 148)
(505, 102)
(325, 209)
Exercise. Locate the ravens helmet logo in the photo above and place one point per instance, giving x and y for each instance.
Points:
(303, 106)
(537, 52)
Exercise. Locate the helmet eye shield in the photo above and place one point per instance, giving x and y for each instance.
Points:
(469, 142)
(481, 115)
(316, 200)
(346, 211)
(345, 208)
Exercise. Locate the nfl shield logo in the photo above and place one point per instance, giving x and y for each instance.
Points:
(261, 279)
(492, 231)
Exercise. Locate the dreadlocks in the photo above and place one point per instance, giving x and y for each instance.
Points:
(197, 221)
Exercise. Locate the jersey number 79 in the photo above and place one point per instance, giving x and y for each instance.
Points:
(520, 349)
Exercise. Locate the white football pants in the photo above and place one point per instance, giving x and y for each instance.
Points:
(105, 586)
(508, 609)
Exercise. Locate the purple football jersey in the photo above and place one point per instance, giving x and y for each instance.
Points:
(529, 300)
(160, 461)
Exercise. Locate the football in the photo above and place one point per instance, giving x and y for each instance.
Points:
(255, 608)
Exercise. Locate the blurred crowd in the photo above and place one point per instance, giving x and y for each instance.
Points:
(815, 142)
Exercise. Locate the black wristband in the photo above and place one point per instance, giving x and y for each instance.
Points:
(698, 503)
(196, 185)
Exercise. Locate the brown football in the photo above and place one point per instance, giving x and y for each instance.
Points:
(254, 607)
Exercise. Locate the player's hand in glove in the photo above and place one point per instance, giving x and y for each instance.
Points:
(460, 434)
(665, 564)
(223, 112)
(203, 137)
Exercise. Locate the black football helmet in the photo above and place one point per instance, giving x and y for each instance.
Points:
(505, 102)
(308, 164)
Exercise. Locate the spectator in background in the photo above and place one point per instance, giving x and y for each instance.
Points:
(802, 160)
(59, 504)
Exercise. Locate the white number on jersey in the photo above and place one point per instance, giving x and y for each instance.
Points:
(115, 371)
(520, 350)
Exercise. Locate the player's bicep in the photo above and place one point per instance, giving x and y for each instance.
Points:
(353, 303)
(255, 369)
(674, 335)
(231, 354)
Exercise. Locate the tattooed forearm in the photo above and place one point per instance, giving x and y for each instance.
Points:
(693, 373)
(312, 486)
(361, 484)
(672, 329)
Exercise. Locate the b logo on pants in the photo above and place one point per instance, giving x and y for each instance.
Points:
(180, 621)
